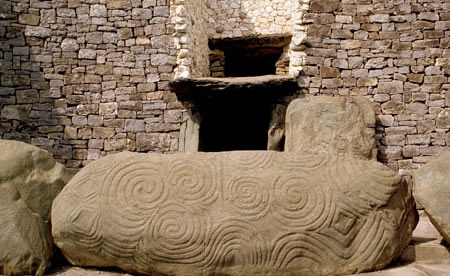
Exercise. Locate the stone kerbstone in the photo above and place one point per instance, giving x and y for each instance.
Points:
(331, 125)
(29, 181)
(234, 213)
(432, 189)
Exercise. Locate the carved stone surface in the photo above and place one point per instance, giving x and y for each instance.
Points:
(432, 191)
(331, 125)
(236, 213)
(29, 181)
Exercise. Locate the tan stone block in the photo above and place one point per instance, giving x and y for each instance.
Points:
(325, 5)
(118, 4)
(329, 72)
(124, 33)
(103, 132)
(370, 82)
(70, 132)
(393, 107)
(29, 19)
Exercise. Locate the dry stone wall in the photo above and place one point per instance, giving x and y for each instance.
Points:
(397, 54)
(83, 78)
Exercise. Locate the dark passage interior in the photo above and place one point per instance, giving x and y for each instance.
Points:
(234, 122)
(249, 62)
(256, 56)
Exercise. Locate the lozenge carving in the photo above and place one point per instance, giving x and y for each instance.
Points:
(236, 213)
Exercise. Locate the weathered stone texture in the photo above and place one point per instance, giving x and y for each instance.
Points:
(394, 54)
(432, 189)
(29, 181)
(331, 125)
(234, 213)
(70, 68)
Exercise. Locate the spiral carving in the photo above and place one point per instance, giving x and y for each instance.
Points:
(133, 189)
(248, 196)
(194, 181)
(170, 237)
(300, 203)
(235, 242)
(255, 159)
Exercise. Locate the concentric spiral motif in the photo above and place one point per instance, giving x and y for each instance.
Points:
(131, 191)
(175, 234)
(194, 181)
(248, 196)
(254, 159)
(300, 202)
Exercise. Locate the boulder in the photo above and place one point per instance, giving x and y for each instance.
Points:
(331, 125)
(432, 192)
(234, 213)
(29, 181)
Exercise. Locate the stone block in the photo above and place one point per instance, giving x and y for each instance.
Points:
(118, 4)
(386, 120)
(152, 142)
(87, 54)
(367, 82)
(133, 125)
(15, 80)
(393, 107)
(139, 14)
(70, 45)
(15, 112)
(379, 18)
(330, 125)
(35, 31)
(443, 120)
(108, 108)
(329, 72)
(325, 5)
(98, 10)
(392, 87)
(227, 213)
(29, 19)
(416, 108)
(103, 132)
(27, 96)
(124, 33)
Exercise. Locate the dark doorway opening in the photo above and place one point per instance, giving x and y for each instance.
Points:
(249, 57)
(235, 122)
(249, 62)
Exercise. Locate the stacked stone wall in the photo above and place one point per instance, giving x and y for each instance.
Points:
(244, 18)
(397, 54)
(191, 38)
(84, 78)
